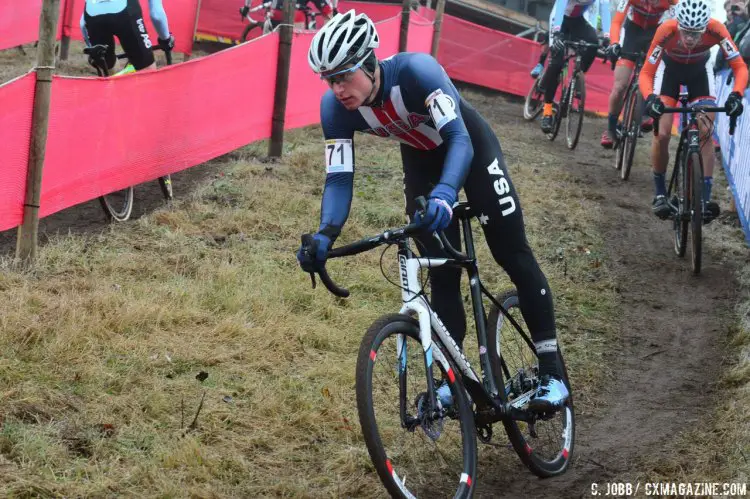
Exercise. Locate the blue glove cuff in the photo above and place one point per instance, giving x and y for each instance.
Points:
(444, 192)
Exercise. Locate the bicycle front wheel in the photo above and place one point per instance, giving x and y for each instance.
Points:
(545, 446)
(534, 101)
(677, 195)
(695, 177)
(633, 131)
(415, 450)
(118, 205)
(576, 104)
(620, 142)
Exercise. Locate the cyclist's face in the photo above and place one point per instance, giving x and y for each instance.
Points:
(351, 88)
(690, 38)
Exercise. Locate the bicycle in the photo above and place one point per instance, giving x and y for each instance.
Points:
(267, 25)
(118, 205)
(534, 102)
(630, 131)
(685, 192)
(575, 90)
(420, 421)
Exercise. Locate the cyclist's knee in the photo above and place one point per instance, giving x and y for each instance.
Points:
(620, 85)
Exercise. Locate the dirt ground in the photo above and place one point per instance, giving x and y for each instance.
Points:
(671, 328)
(669, 348)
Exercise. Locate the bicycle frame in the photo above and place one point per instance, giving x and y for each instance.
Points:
(491, 402)
(492, 405)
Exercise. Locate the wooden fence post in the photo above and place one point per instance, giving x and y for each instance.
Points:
(405, 11)
(286, 33)
(186, 57)
(67, 20)
(26, 246)
(438, 27)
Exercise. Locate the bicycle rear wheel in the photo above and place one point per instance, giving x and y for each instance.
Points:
(678, 197)
(118, 205)
(633, 131)
(534, 100)
(165, 183)
(695, 204)
(576, 104)
(415, 451)
(545, 446)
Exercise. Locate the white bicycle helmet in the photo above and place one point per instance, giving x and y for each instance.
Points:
(693, 14)
(347, 38)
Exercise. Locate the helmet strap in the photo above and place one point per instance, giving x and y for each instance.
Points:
(371, 76)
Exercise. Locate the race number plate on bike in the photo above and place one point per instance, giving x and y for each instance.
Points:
(339, 156)
(442, 108)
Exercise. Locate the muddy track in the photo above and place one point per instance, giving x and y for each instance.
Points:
(668, 336)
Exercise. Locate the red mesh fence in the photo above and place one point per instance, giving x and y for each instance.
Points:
(498, 60)
(16, 103)
(151, 124)
(419, 38)
(181, 15)
(19, 22)
(306, 88)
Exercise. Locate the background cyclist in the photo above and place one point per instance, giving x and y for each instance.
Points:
(679, 55)
(103, 20)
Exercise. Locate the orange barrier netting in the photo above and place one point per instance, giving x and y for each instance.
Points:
(16, 102)
(180, 15)
(106, 134)
(498, 60)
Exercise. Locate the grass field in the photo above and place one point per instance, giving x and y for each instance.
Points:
(105, 339)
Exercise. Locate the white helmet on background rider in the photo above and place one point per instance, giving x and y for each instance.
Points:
(347, 38)
(693, 15)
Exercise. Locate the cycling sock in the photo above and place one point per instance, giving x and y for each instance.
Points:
(547, 109)
(546, 351)
(612, 122)
(659, 185)
(708, 183)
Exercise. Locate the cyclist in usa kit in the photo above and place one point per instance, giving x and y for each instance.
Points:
(633, 28)
(569, 23)
(445, 146)
(102, 20)
(679, 55)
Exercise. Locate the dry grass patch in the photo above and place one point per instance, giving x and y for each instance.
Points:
(103, 340)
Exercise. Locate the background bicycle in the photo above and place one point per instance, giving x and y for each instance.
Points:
(685, 191)
(632, 117)
(572, 101)
(420, 443)
(266, 25)
(118, 205)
